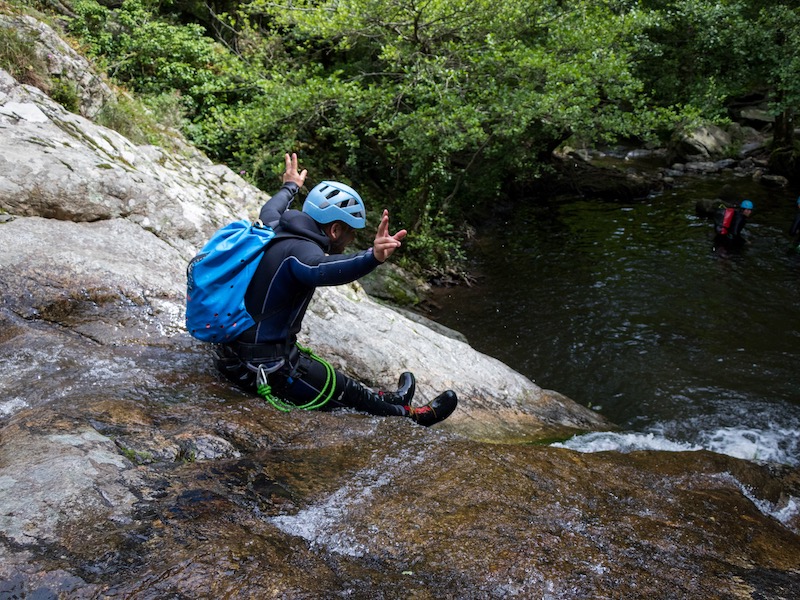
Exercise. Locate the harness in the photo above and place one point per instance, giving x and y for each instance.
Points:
(265, 359)
(265, 390)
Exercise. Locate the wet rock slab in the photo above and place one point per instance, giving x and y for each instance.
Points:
(119, 495)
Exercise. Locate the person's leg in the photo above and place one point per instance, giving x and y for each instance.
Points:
(305, 382)
(356, 395)
(309, 380)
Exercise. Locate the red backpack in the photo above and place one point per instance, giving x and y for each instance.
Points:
(726, 220)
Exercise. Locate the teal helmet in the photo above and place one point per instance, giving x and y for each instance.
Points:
(746, 205)
(331, 201)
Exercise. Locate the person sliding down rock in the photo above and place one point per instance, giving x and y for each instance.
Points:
(307, 252)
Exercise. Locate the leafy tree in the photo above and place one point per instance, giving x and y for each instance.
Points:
(439, 104)
(435, 108)
(707, 53)
(780, 43)
(156, 55)
(696, 52)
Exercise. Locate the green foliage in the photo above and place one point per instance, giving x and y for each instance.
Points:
(435, 109)
(699, 47)
(171, 108)
(153, 55)
(778, 29)
(131, 118)
(435, 244)
(702, 53)
(66, 94)
(18, 57)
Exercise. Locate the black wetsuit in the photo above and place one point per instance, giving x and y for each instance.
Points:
(732, 235)
(294, 264)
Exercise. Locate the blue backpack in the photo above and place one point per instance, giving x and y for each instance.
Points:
(217, 279)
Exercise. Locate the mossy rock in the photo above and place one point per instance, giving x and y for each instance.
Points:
(395, 285)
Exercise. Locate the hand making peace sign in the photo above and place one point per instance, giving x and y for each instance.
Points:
(385, 244)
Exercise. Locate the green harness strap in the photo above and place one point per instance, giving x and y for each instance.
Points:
(263, 388)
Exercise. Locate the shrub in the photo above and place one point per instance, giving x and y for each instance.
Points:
(18, 57)
(132, 119)
(65, 92)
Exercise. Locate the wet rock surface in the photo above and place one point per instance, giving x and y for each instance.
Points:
(189, 489)
(129, 469)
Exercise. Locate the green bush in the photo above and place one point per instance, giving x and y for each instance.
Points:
(171, 108)
(131, 118)
(66, 94)
(155, 56)
(17, 56)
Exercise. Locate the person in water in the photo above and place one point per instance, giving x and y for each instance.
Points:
(729, 224)
(308, 251)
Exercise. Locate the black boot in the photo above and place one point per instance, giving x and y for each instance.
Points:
(405, 391)
(436, 410)
(360, 397)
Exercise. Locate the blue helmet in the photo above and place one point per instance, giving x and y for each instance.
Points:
(333, 201)
(746, 205)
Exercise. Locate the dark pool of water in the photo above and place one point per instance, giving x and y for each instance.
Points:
(625, 307)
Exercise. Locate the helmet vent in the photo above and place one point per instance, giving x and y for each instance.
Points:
(346, 203)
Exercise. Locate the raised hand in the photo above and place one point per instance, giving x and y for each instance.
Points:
(291, 173)
(385, 244)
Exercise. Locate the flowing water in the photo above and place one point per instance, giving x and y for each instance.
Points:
(624, 307)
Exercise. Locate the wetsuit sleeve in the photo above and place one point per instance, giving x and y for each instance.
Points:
(319, 269)
(277, 205)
